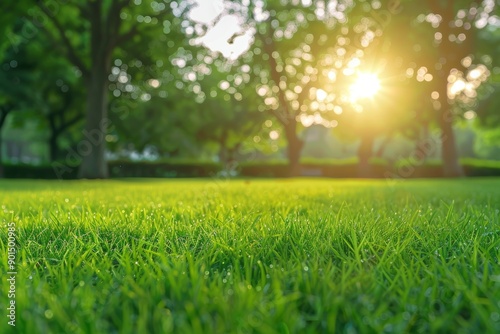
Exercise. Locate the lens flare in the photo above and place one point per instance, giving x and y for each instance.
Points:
(366, 85)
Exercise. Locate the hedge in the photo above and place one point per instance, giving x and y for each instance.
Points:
(341, 169)
(50, 172)
(163, 169)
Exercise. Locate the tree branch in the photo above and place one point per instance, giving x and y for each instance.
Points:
(305, 92)
(113, 22)
(71, 121)
(126, 36)
(270, 48)
(135, 28)
(71, 52)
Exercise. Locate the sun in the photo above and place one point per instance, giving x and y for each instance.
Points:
(366, 85)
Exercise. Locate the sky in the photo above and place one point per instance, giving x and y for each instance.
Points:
(222, 29)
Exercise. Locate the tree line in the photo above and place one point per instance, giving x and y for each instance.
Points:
(123, 75)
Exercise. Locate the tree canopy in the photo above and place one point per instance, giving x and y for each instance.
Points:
(190, 78)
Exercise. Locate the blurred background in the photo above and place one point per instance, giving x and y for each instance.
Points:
(118, 88)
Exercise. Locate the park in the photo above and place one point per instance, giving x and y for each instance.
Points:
(250, 166)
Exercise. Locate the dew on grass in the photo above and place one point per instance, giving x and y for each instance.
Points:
(49, 314)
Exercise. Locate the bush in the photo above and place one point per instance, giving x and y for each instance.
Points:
(347, 168)
(476, 167)
(263, 169)
(275, 169)
(407, 169)
(49, 172)
(117, 169)
(163, 169)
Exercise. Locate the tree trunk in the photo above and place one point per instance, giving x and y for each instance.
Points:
(92, 148)
(4, 111)
(104, 36)
(231, 153)
(222, 156)
(294, 148)
(423, 146)
(364, 154)
(286, 116)
(53, 147)
(223, 150)
(453, 54)
(383, 146)
(1, 155)
(449, 153)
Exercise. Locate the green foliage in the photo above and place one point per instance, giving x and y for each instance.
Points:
(90, 35)
(191, 100)
(164, 125)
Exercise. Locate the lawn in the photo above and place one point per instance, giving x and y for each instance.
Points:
(258, 256)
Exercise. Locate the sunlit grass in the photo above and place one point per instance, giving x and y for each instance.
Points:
(288, 256)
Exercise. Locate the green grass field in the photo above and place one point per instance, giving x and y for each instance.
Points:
(259, 256)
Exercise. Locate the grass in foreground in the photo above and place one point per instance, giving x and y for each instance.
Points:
(284, 256)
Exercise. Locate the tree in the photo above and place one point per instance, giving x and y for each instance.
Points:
(56, 101)
(398, 105)
(15, 88)
(457, 24)
(5, 109)
(487, 104)
(224, 117)
(156, 93)
(294, 50)
(90, 34)
(164, 125)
